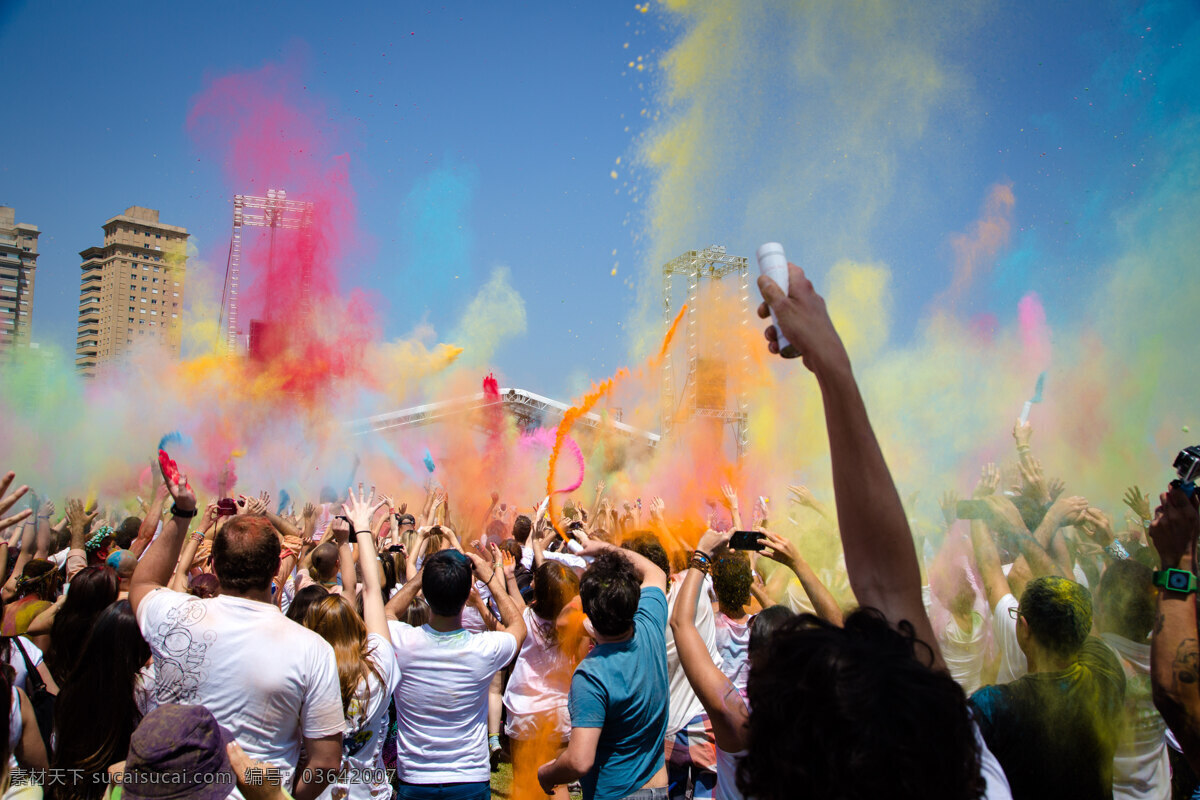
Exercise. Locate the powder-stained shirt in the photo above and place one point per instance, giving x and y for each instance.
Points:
(1055, 733)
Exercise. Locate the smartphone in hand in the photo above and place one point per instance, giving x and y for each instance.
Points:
(747, 540)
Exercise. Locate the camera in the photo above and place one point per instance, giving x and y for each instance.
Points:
(1187, 466)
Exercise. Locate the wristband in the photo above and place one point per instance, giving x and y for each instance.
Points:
(1117, 550)
(176, 511)
(198, 536)
(701, 561)
(1175, 580)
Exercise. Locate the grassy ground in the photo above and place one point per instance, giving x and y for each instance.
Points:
(502, 781)
(502, 784)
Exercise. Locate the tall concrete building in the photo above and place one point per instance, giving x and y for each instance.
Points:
(18, 262)
(131, 292)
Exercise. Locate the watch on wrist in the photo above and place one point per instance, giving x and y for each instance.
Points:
(176, 511)
(1175, 580)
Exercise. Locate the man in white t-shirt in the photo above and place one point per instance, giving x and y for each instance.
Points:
(441, 700)
(270, 682)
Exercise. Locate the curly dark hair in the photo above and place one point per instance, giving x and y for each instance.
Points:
(647, 545)
(246, 554)
(731, 578)
(1058, 612)
(855, 712)
(610, 590)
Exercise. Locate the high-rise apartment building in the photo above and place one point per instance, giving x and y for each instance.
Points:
(18, 262)
(131, 293)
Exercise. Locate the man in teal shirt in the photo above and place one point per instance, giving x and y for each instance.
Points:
(618, 698)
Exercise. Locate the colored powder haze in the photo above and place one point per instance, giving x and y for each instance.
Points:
(833, 128)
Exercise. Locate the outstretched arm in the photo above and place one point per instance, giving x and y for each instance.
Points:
(717, 694)
(156, 566)
(1174, 653)
(359, 510)
(881, 560)
(782, 550)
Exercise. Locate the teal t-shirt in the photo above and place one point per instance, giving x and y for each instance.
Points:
(622, 689)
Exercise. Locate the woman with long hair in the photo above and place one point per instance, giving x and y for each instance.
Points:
(93, 589)
(536, 697)
(98, 707)
(367, 668)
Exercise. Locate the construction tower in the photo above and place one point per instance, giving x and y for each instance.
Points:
(708, 367)
(274, 211)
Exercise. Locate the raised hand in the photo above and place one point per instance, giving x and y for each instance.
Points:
(483, 570)
(949, 505)
(801, 495)
(1069, 510)
(657, 509)
(79, 518)
(1138, 503)
(989, 481)
(1022, 432)
(8, 500)
(730, 496)
(209, 517)
(711, 540)
(802, 315)
(309, 512)
(1097, 525)
(360, 508)
(1034, 478)
(254, 506)
(777, 548)
(1175, 526)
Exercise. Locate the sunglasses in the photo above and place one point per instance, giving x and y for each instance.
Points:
(1014, 612)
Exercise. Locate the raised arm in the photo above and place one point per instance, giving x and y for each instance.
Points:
(360, 510)
(1174, 653)
(881, 560)
(730, 499)
(156, 566)
(651, 574)
(717, 694)
(782, 550)
(492, 575)
(150, 522)
(802, 496)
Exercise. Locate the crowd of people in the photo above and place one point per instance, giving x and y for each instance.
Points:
(1026, 648)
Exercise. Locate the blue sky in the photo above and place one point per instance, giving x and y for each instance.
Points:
(499, 123)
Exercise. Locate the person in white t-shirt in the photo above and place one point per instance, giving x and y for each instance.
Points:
(536, 697)
(445, 671)
(1124, 616)
(270, 682)
(366, 662)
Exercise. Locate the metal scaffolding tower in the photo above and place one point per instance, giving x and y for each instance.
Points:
(713, 264)
(273, 211)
